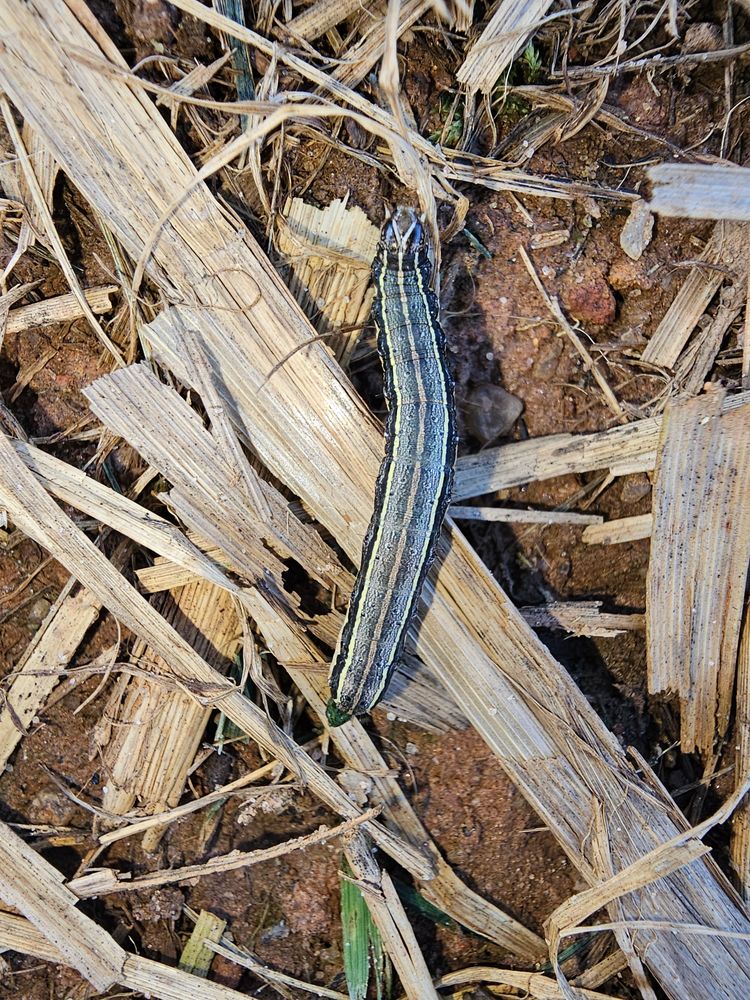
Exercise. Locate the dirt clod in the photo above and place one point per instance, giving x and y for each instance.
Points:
(589, 300)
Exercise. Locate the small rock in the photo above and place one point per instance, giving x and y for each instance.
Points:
(636, 233)
(278, 932)
(545, 366)
(51, 807)
(590, 301)
(635, 488)
(39, 610)
(490, 412)
(702, 37)
(626, 275)
(356, 785)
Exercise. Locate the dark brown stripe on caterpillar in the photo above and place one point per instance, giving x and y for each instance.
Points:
(413, 486)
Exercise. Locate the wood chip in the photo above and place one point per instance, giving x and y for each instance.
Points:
(582, 618)
(635, 235)
(60, 308)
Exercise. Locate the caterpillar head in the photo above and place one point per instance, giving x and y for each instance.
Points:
(404, 233)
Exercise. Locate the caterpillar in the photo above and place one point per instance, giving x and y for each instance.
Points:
(413, 486)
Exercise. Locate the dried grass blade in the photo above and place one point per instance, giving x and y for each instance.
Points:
(330, 251)
(739, 845)
(194, 805)
(34, 887)
(105, 881)
(681, 851)
(40, 668)
(151, 734)
(142, 975)
(319, 18)
(694, 365)
(361, 58)
(534, 985)
(240, 956)
(700, 191)
(37, 515)
(622, 450)
(513, 515)
(724, 254)
(206, 485)
(500, 42)
(196, 958)
(700, 549)
(388, 916)
(74, 487)
(51, 233)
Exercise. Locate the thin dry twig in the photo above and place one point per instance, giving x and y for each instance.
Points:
(553, 305)
(512, 515)
(241, 957)
(106, 881)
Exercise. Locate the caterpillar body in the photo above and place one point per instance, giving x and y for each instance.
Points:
(412, 491)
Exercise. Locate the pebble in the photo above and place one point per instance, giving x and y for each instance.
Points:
(490, 412)
(545, 366)
(39, 610)
(635, 488)
(637, 231)
(703, 36)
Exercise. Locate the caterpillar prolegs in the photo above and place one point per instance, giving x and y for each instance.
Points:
(412, 491)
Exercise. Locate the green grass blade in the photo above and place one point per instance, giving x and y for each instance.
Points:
(357, 931)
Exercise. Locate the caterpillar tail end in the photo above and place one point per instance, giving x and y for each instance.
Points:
(335, 715)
